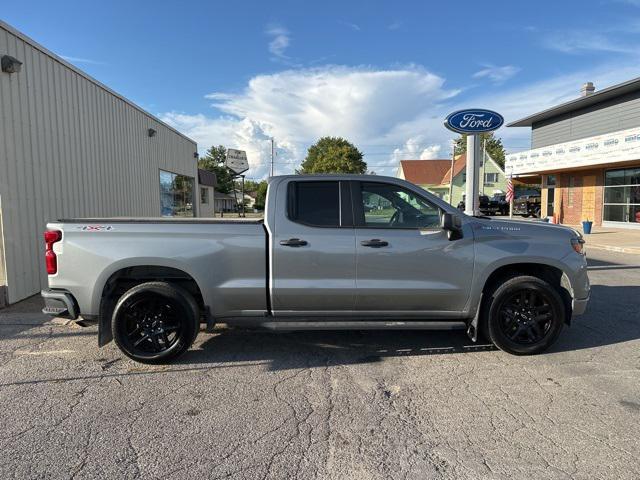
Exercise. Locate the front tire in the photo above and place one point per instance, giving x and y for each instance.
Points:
(524, 315)
(155, 322)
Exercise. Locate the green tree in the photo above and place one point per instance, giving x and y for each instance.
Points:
(261, 195)
(493, 144)
(249, 185)
(214, 161)
(333, 155)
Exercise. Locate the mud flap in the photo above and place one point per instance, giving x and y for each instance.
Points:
(472, 329)
(104, 331)
(104, 322)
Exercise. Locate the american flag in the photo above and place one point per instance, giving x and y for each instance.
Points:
(509, 196)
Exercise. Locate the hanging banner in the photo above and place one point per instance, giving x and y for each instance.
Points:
(620, 146)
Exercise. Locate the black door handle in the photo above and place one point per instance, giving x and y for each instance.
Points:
(374, 243)
(293, 242)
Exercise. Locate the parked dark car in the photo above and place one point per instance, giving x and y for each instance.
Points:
(499, 201)
(528, 204)
(486, 206)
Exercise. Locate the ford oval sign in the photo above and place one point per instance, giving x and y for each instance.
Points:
(473, 120)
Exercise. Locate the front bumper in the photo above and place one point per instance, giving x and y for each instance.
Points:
(579, 305)
(60, 303)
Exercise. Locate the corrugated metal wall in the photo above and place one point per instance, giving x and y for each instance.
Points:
(69, 147)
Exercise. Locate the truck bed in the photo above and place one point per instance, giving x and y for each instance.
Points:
(226, 257)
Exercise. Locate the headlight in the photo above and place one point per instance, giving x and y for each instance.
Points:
(578, 245)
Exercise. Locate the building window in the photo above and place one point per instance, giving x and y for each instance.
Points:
(204, 195)
(622, 195)
(551, 181)
(551, 193)
(176, 195)
(491, 177)
(573, 183)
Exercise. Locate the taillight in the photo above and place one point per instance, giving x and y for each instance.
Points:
(51, 237)
(578, 244)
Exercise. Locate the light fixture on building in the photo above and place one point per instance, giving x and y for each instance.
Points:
(152, 132)
(10, 64)
(195, 155)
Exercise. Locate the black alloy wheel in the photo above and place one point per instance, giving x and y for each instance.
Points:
(523, 314)
(526, 316)
(154, 322)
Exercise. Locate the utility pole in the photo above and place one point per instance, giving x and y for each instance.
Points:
(272, 151)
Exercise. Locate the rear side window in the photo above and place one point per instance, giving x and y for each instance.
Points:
(315, 203)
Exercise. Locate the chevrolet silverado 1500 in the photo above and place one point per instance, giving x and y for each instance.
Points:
(333, 252)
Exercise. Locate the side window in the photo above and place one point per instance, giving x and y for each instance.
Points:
(389, 206)
(314, 203)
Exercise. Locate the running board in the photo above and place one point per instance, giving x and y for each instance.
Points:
(366, 325)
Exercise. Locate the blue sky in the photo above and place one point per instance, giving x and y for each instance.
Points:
(382, 74)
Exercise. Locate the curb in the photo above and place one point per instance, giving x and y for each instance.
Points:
(610, 248)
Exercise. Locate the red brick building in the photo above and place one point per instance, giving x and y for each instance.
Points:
(587, 153)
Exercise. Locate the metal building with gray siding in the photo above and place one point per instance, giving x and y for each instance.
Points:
(587, 154)
(71, 147)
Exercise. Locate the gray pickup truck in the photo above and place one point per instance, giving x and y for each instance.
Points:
(333, 252)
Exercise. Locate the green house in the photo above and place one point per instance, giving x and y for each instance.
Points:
(435, 176)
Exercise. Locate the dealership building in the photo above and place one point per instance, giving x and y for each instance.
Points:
(586, 154)
(72, 147)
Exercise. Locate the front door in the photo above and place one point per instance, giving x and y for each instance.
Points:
(313, 249)
(405, 263)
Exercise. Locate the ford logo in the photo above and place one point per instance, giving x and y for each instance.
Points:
(474, 121)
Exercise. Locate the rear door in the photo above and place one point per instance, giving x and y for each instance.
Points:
(313, 249)
(405, 263)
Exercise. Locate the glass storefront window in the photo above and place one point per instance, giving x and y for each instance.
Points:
(551, 193)
(176, 195)
(622, 195)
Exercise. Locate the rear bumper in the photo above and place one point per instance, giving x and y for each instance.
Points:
(59, 303)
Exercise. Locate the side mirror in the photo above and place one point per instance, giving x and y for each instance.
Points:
(452, 224)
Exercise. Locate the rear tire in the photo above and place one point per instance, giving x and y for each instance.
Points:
(155, 322)
(523, 315)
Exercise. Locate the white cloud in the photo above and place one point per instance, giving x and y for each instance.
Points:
(245, 134)
(389, 114)
(585, 41)
(353, 26)
(367, 106)
(394, 25)
(280, 40)
(416, 148)
(497, 75)
(81, 60)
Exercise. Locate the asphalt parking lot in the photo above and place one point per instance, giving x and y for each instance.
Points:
(357, 405)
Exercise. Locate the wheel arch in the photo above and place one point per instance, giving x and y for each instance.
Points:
(545, 270)
(119, 280)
